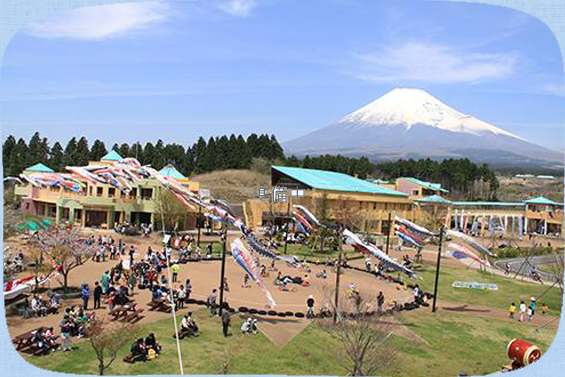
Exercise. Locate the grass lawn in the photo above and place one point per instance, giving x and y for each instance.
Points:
(210, 353)
(455, 343)
(459, 342)
(509, 290)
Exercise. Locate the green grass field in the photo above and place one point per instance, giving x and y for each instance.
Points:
(455, 343)
(509, 290)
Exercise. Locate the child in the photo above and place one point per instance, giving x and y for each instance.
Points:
(544, 309)
(522, 310)
(512, 310)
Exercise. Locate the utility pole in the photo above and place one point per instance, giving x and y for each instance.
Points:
(198, 222)
(287, 224)
(223, 273)
(388, 233)
(336, 299)
(436, 283)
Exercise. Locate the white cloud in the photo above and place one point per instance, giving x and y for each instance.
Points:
(433, 64)
(100, 22)
(555, 89)
(238, 8)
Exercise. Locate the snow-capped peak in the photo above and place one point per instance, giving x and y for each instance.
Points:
(409, 107)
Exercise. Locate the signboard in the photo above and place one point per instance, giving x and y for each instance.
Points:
(474, 285)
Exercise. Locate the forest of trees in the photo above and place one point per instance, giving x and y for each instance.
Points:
(233, 152)
(461, 176)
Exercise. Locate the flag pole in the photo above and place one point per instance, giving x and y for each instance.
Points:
(436, 283)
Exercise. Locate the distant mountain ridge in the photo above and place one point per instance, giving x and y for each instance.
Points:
(410, 123)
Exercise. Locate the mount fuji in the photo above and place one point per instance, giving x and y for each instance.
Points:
(411, 123)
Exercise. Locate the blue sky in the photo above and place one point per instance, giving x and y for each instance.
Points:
(180, 70)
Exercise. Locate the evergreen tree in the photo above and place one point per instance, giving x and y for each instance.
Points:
(7, 155)
(199, 155)
(70, 153)
(57, 158)
(148, 154)
(38, 149)
(98, 151)
(20, 157)
(123, 150)
(82, 152)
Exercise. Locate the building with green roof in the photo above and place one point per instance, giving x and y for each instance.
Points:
(39, 168)
(171, 171)
(419, 189)
(364, 204)
(112, 156)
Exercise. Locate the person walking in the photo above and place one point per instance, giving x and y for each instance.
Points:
(97, 295)
(533, 305)
(512, 310)
(522, 310)
(226, 320)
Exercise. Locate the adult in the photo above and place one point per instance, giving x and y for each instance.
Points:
(212, 302)
(380, 302)
(97, 295)
(151, 343)
(310, 306)
(106, 278)
(176, 269)
(226, 320)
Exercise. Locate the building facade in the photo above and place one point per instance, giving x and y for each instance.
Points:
(101, 205)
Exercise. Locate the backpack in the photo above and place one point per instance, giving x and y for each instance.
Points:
(151, 354)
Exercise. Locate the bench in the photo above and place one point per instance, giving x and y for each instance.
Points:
(133, 316)
(25, 340)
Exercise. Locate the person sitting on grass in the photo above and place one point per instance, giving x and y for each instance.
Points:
(249, 326)
(151, 343)
(188, 325)
(138, 351)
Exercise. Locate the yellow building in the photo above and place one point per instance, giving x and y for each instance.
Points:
(101, 205)
(364, 205)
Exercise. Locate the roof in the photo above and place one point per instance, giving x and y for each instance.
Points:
(329, 180)
(40, 168)
(112, 156)
(428, 185)
(171, 171)
(434, 199)
(501, 204)
(541, 200)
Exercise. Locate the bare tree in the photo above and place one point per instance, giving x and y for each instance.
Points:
(364, 336)
(107, 342)
(170, 211)
(65, 248)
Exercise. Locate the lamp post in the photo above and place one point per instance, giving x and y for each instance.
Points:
(436, 283)
(223, 273)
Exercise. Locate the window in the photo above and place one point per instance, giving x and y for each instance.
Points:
(374, 205)
(90, 190)
(415, 192)
(133, 193)
(111, 192)
(146, 193)
(99, 191)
